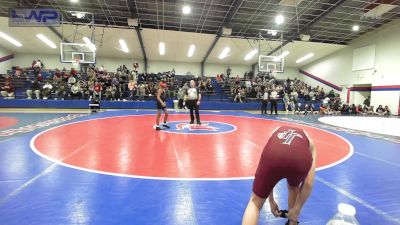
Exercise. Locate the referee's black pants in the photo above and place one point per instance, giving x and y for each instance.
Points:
(192, 105)
(274, 104)
(264, 104)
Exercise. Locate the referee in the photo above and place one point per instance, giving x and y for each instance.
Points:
(192, 101)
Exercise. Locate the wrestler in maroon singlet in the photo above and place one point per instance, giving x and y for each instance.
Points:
(289, 154)
(286, 155)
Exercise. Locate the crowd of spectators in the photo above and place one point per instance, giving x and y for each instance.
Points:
(96, 83)
(262, 87)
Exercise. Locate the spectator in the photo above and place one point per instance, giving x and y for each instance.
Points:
(387, 111)
(380, 111)
(61, 90)
(7, 91)
(97, 88)
(238, 94)
(76, 91)
(133, 89)
(286, 102)
(47, 88)
(181, 96)
(142, 91)
(33, 87)
(264, 102)
(367, 101)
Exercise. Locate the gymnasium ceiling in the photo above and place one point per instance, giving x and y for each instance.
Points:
(328, 22)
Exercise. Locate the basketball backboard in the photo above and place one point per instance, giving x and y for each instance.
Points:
(70, 52)
(273, 64)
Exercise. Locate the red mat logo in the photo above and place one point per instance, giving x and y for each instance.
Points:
(193, 127)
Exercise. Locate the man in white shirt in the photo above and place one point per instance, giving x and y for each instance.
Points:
(274, 101)
(264, 102)
(192, 100)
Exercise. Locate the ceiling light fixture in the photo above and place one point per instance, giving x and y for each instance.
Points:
(279, 19)
(123, 45)
(186, 9)
(191, 50)
(309, 55)
(224, 53)
(10, 39)
(161, 48)
(88, 42)
(250, 55)
(46, 40)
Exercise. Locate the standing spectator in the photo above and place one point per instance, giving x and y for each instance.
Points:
(274, 101)
(264, 102)
(286, 102)
(367, 101)
(133, 89)
(142, 91)
(181, 96)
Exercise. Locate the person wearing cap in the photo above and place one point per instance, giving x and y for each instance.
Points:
(162, 105)
(289, 154)
(192, 100)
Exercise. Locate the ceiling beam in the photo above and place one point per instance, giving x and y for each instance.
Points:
(307, 27)
(235, 6)
(138, 32)
(133, 10)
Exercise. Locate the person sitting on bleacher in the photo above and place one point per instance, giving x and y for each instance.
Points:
(299, 109)
(61, 90)
(357, 110)
(76, 91)
(380, 111)
(7, 91)
(307, 109)
(47, 88)
(71, 80)
(97, 88)
(387, 111)
(33, 87)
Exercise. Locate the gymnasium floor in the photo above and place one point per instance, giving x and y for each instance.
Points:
(113, 168)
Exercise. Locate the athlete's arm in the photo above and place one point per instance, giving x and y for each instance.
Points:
(273, 205)
(306, 186)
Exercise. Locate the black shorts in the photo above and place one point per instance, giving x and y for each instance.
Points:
(159, 106)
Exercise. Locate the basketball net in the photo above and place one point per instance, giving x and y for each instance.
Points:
(273, 73)
(76, 64)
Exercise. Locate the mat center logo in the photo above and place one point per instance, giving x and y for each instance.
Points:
(207, 127)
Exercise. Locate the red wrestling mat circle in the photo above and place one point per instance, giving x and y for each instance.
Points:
(129, 146)
(6, 122)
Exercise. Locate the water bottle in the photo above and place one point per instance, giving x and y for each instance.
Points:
(345, 216)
